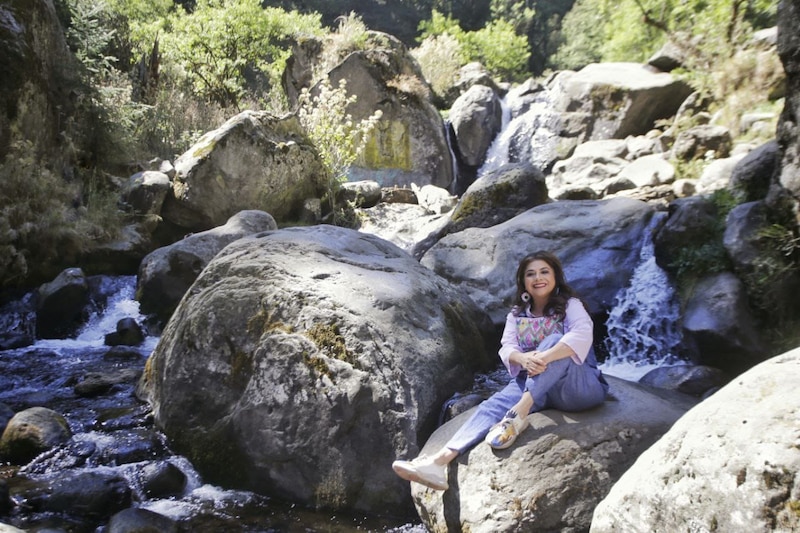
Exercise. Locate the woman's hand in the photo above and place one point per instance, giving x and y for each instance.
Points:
(532, 362)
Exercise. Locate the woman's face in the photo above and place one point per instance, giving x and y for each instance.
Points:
(540, 280)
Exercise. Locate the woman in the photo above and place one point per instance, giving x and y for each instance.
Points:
(547, 349)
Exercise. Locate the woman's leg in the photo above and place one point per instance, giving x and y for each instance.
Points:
(488, 413)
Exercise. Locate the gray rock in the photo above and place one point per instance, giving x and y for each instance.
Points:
(787, 133)
(162, 479)
(128, 333)
(690, 223)
(99, 383)
(696, 380)
(253, 161)
(557, 470)
(729, 464)
(146, 191)
(718, 328)
(324, 352)
(697, 142)
(365, 193)
(31, 432)
(622, 98)
(61, 305)
(717, 174)
(649, 170)
(753, 175)
(597, 241)
(408, 145)
(476, 118)
(167, 273)
(497, 196)
(135, 520)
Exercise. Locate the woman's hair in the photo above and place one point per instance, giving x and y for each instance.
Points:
(557, 305)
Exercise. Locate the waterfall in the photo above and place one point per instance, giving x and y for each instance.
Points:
(530, 136)
(644, 322)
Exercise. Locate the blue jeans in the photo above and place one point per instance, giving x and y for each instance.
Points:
(565, 385)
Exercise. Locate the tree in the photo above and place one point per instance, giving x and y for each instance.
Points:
(223, 43)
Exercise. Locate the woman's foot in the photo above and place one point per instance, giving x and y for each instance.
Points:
(504, 433)
(423, 470)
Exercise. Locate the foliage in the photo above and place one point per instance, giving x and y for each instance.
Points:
(632, 30)
(707, 256)
(350, 36)
(46, 221)
(576, 40)
(226, 47)
(440, 58)
(497, 46)
(337, 137)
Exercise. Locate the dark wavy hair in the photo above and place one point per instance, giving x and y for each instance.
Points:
(557, 305)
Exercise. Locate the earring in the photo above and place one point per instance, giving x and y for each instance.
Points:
(525, 297)
(558, 291)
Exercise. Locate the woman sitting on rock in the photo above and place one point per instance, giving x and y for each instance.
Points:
(547, 348)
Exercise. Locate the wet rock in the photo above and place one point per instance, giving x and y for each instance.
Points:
(162, 480)
(689, 379)
(98, 383)
(92, 494)
(124, 354)
(136, 520)
(131, 446)
(129, 333)
(31, 432)
(61, 305)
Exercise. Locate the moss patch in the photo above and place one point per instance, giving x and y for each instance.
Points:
(330, 342)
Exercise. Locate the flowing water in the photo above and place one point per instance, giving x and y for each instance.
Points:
(644, 323)
(531, 135)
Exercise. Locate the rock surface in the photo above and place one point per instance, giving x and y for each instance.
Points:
(557, 470)
(328, 352)
(729, 464)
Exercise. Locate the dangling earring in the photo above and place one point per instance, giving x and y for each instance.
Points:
(525, 297)
(558, 291)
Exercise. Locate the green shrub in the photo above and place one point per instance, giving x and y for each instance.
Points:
(497, 46)
(440, 58)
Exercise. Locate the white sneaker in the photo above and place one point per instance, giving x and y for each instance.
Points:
(424, 471)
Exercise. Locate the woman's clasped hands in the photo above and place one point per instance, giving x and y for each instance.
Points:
(533, 362)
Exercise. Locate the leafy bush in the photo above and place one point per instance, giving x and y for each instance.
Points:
(229, 48)
(497, 46)
(46, 222)
(440, 58)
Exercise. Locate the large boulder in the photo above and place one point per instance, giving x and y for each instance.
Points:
(557, 470)
(621, 98)
(253, 161)
(497, 196)
(40, 77)
(301, 358)
(408, 144)
(730, 464)
(167, 273)
(597, 241)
